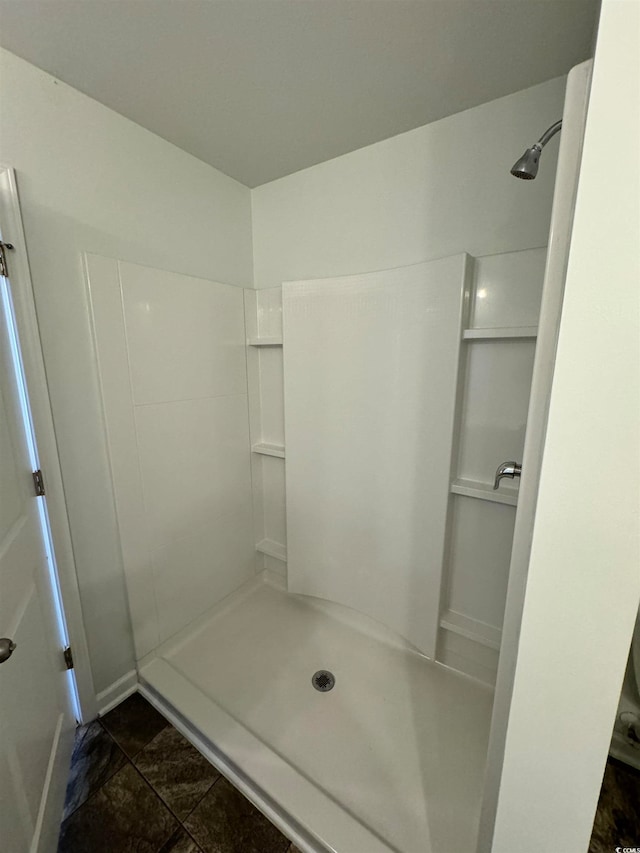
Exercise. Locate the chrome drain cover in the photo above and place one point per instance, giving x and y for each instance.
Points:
(323, 680)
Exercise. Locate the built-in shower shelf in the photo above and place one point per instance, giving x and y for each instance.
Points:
(472, 629)
(266, 449)
(504, 333)
(265, 342)
(485, 492)
(272, 549)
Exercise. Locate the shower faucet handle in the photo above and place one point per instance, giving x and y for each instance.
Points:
(507, 469)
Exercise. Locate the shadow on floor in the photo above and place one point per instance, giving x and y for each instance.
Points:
(136, 785)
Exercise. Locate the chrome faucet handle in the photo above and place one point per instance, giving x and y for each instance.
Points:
(507, 469)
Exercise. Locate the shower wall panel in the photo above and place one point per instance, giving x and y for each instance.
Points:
(171, 353)
(495, 402)
(371, 368)
(499, 349)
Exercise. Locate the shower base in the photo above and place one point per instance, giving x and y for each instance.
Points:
(390, 759)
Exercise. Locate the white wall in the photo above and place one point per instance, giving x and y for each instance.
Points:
(583, 585)
(90, 180)
(434, 191)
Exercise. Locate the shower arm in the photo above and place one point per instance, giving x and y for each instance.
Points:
(548, 134)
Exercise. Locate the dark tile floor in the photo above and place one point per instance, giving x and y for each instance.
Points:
(137, 786)
(617, 822)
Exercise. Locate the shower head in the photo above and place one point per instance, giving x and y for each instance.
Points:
(527, 166)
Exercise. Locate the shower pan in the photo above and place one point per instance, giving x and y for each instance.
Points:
(317, 561)
(352, 768)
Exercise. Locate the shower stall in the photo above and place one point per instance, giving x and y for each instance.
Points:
(321, 571)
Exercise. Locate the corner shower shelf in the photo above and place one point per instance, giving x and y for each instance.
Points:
(503, 333)
(264, 342)
(272, 549)
(472, 629)
(484, 492)
(266, 449)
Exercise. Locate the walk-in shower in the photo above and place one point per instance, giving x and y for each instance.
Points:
(316, 559)
(527, 166)
(336, 659)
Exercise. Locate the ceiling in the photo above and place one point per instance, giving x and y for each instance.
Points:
(263, 88)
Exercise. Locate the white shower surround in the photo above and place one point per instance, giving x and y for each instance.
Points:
(181, 448)
(498, 338)
(175, 397)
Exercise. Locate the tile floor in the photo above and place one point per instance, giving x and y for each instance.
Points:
(617, 822)
(137, 786)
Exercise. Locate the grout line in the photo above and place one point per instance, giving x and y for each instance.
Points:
(208, 791)
(98, 789)
(159, 798)
(158, 794)
(130, 760)
(191, 838)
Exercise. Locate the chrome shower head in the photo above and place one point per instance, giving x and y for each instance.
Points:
(527, 166)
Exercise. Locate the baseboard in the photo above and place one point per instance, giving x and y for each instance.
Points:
(117, 692)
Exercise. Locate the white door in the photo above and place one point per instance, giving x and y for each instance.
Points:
(36, 692)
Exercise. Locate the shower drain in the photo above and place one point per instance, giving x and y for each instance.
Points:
(323, 680)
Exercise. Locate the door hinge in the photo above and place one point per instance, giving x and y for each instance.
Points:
(4, 269)
(38, 483)
(68, 658)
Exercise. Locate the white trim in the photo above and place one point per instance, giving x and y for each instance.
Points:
(117, 692)
(583, 584)
(27, 322)
(571, 139)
